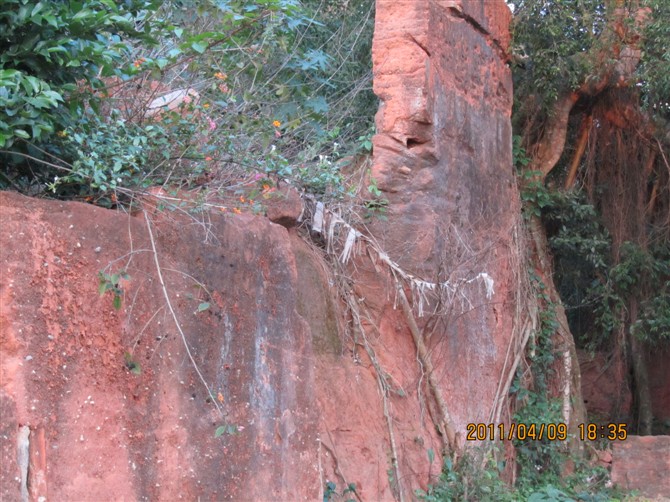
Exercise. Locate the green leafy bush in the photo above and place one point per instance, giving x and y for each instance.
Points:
(637, 270)
(468, 480)
(552, 40)
(653, 324)
(25, 99)
(594, 284)
(77, 75)
(654, 72)
(48, 48)
(114, 153)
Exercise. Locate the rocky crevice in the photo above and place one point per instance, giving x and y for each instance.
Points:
(492, 40)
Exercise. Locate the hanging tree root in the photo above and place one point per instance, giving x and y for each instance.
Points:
(445, 425)
(383, 389)
(336, 467)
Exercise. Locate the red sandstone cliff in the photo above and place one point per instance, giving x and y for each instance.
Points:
(305, 392)
(293, 376)
(443, 155)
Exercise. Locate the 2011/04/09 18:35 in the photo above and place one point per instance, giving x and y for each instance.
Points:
(550, 432)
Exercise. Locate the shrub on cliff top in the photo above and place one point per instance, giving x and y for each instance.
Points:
(66, 67)
(55, 53)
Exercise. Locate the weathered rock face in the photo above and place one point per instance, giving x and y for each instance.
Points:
(608, 398)
(230, 371)
(642, 463)
(104, 404)
(117, 407)
(105, 432)
(604, 388)
(443, 158)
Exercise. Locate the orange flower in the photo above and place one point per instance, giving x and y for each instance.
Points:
(276, 123)
(206, 105)
(242, 198)
(236, 211)
(208, 159)
(220, 76)
(220, 397)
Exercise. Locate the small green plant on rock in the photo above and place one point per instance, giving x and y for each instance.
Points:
(111, 282)
(378, 205)
(229, 429)
(331, 490)
(323, 178)
(131, 364)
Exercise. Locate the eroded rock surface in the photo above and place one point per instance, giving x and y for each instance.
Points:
(642, 463)
(116, 408)
(67, 355)
(443, 157)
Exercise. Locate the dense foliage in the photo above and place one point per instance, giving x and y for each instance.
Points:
(654, 70)
(268, 86)
(553, 40)
(591, 110)
(47, 48)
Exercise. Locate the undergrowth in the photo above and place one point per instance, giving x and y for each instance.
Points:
(275, 88)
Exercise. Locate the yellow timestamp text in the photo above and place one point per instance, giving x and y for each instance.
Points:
(548, 432)
(611, 432)
(522, 432)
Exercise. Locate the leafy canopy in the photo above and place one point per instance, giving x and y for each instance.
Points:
(77, 78)
(47, 48)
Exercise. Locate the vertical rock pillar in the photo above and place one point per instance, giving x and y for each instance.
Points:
(443, 158)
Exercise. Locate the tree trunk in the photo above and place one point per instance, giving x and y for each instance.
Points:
(565, 381)
(641, 392)
(550, 147)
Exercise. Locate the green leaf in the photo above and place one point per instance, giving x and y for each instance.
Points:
(32, 84)
(51, 19)
(317, 104)
(38, 7)
(82, 14)
(229, 429)
(199, 47)
(117, 302)
(203, 306)
(9, 74)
